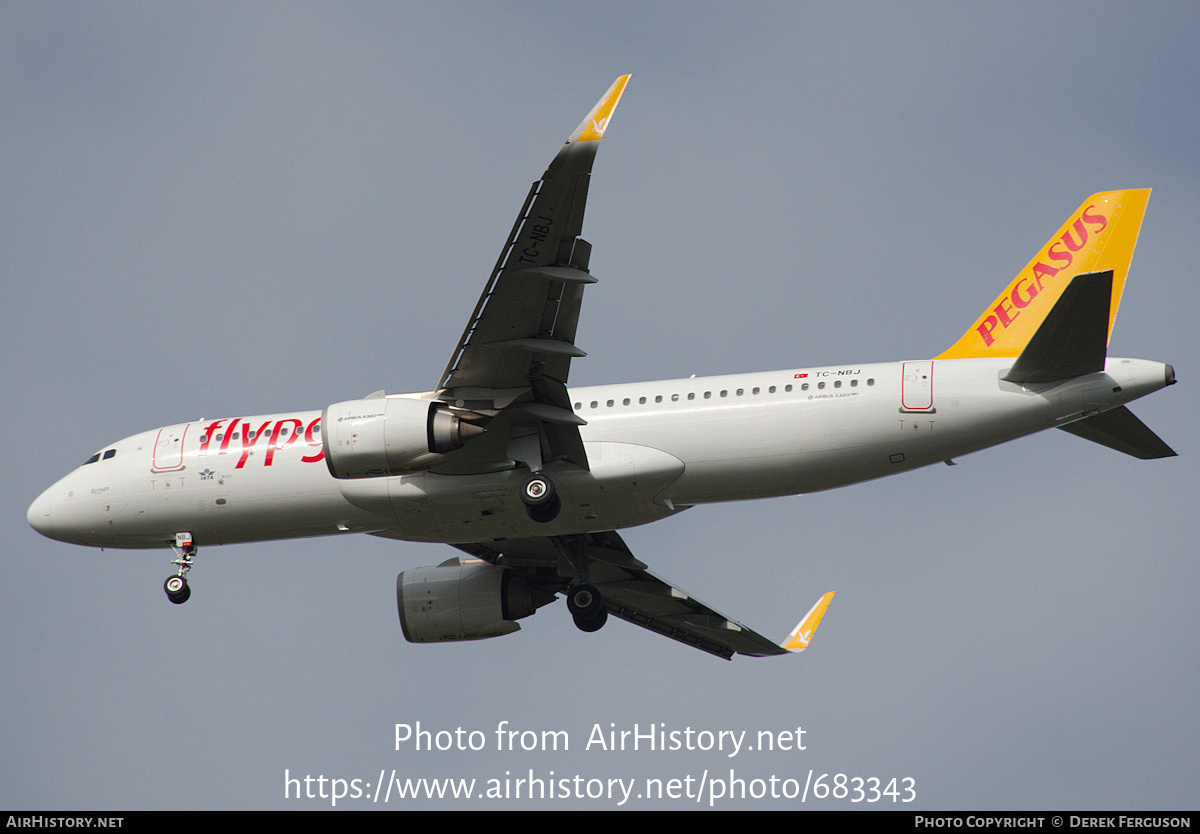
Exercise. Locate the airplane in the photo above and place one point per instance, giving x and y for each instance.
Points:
(531, 480)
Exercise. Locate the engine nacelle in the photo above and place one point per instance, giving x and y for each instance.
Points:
(463, 600)
(389, 436)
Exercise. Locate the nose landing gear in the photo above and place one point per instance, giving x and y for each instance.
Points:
(177, 588)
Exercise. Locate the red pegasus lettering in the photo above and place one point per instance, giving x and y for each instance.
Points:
(1057, 253)
(1002, 313)
(1097, 220)
(1079, 230)
(1040, 271)
(985, 330)
(1018, 300)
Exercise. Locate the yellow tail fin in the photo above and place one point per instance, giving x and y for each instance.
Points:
(1099, 236)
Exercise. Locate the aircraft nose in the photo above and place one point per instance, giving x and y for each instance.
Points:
(39, 515)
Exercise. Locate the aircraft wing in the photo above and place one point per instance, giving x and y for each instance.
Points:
(516, 351)
(634, 594)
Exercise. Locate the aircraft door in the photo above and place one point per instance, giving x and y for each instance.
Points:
(168, 448)
(916, 387)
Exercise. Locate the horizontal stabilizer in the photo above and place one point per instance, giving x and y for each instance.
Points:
(802, 634)
(1073, 339)
(1119, 429)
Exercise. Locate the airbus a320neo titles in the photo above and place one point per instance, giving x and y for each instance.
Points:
(531, 480)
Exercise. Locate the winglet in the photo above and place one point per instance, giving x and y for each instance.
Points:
(591, 129)
(802, 634)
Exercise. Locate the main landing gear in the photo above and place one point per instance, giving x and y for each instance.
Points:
(176, 586)
(540, 498)
(583, 598)
(587, 608)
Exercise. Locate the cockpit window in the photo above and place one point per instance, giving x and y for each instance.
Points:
(92, 459)
(110, 453)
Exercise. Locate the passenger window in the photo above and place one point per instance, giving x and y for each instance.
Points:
(658, 399)
(820, 385)
(787, 387)
(641, 400)
(837, 383)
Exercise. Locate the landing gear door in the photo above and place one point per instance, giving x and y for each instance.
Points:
(916, 388)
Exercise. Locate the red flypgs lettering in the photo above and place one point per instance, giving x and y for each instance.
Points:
(249, 438)
(293, 434)
(206, 436)
(1061, 254)
(286, 432)
(308, 438)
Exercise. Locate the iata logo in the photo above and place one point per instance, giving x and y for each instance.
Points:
(1061, 253)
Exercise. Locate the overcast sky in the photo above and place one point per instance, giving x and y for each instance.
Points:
(220, 209)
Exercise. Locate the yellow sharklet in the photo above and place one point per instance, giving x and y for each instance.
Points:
(591, 129)
(802, 634)
(1099, 236)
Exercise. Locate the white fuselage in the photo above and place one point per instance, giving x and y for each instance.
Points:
(653, 449)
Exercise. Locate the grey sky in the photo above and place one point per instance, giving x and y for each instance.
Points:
(213, 210)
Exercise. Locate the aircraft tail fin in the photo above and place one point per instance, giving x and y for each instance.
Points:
(1098, 237)
(1073, 338)
(1119, 429)
(802, 634)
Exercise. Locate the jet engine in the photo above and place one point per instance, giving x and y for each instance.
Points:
(464, 600)
(390, 436)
